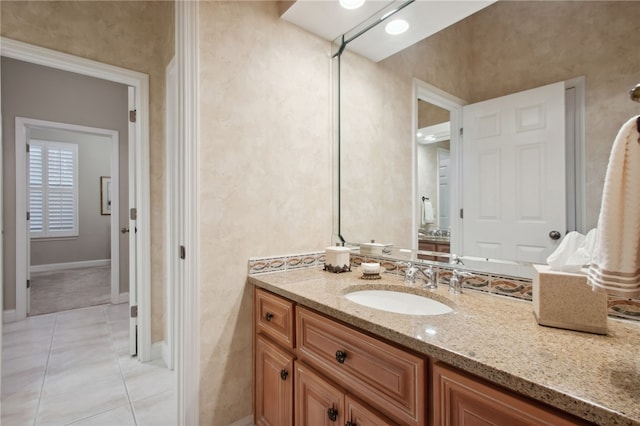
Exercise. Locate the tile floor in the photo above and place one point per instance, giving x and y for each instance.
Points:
(73, 368)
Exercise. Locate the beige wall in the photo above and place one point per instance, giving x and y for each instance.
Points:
(505, 48)
(136, 35)
(264, 177)
(42, 93)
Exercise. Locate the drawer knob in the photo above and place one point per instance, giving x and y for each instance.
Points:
(350, 424)
(341, 356)
(284, 374)
(333, 414)
(268, 316)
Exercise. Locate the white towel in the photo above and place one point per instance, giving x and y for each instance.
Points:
(615, 266)
(427, 212)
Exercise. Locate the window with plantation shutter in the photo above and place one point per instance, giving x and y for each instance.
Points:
(53, 189)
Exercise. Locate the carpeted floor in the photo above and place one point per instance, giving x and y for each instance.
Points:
(57, 291)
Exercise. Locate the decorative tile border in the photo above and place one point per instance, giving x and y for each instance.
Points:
(261, 265)
(494, 284)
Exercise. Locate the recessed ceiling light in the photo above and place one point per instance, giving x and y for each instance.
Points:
(397, 26)
(351, 4)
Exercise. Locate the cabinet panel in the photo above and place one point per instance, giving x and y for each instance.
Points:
(380, 374)
(274, 384)
(360, 415)
(315, 398)
(274, 317)
(462, 400)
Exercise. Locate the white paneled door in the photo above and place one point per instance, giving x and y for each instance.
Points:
(513, 175)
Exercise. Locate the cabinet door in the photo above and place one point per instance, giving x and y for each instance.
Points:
(318, 403)
(462, 400)
(360, 415)
(274, 384)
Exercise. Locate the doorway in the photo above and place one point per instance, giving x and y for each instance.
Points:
(74, 256)
(140, 287)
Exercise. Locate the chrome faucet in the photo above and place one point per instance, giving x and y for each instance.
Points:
(429, 276)
(455, 283)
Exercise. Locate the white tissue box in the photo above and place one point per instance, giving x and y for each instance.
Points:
(337, 256)
(565, 300)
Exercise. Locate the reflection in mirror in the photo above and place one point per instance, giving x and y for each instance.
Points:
(475, 60)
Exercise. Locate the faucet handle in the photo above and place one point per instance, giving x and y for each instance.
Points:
(410, 274)
(455, 283)
(431, 274)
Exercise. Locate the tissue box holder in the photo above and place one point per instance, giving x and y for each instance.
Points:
(565, 300)
(337, 259)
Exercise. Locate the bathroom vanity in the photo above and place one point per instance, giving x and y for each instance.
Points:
(322, 359)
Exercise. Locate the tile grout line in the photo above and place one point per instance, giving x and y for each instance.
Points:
(124, 381)
(46, 368)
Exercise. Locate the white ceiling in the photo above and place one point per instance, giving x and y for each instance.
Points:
(327, 19)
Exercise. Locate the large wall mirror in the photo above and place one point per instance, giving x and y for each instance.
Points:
(392, 153)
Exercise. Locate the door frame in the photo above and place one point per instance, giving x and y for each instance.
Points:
(453, 104)
(58, 60)
(22, 240)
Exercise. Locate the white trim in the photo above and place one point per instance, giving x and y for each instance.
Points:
(453, 104)
(70, 265)
(123, 298)
(246, 421)
(158, 349)
(9, 316)
(172, 207)
(22, 232)
(578, 167)
(187, 357)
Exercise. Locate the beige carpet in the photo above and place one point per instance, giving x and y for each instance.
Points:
(57, 291)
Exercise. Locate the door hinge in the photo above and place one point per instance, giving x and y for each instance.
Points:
(28, 215)
(133, 213)
(28, 283)
(133, 114)
(134, 311)
(461, 131)
(28, 148)
(461, 213)
(183, 252)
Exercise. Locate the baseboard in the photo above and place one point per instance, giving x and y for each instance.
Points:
(69, 265)
(123, 298)
(9, 316)
(247, 421)
(160, 350)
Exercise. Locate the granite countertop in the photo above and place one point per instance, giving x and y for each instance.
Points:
(595, 377)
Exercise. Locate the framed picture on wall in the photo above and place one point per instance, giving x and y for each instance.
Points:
(105, 195)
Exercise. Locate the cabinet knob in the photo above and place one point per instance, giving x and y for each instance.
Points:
(284, 374)
(350, 424)
(268, 316)
(333, 414)
(341, 356)
(555, 235)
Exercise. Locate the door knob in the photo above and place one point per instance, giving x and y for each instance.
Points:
(555, 235)
(124, 230)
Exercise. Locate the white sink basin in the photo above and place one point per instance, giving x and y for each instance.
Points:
(398, 302)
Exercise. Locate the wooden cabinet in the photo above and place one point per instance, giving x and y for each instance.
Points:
(439, 246)
(460, 399)
(311, 369)
(273, 359)
(274, 317)
(274, 380)
(320, 403)
(382, 375)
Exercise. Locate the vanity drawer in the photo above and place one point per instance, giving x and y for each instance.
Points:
(387, 378)
(274, 317)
